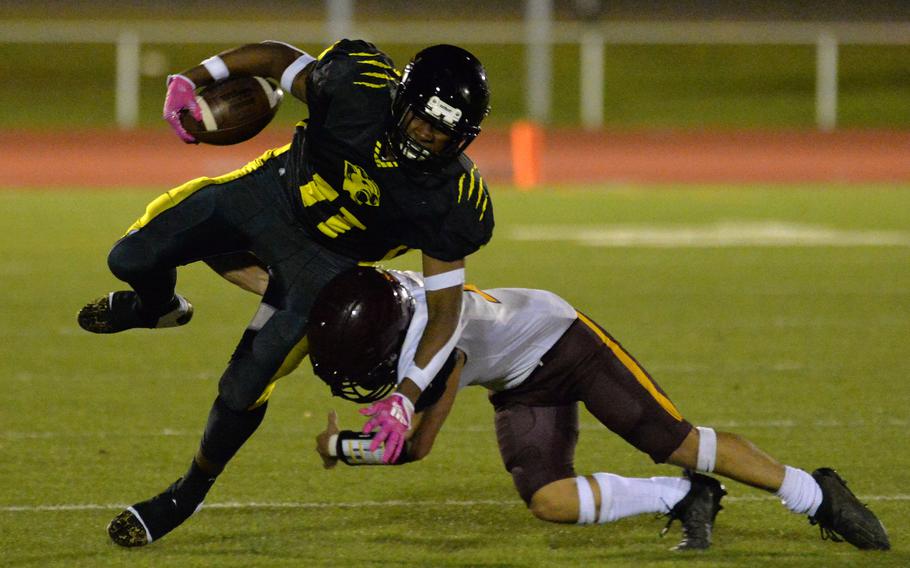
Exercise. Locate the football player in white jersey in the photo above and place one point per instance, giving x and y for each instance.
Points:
(540, 357)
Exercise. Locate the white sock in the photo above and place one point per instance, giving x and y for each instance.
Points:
(628, 496)
(799, 492)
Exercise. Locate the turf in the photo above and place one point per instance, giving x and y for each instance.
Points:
(800, 348)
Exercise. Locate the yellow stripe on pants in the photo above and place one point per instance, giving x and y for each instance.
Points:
(173, 197)
(633, 367)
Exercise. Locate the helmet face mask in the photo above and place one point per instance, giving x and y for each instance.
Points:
(357, 327)
(370, 387)
(415, 154)
(446, 87)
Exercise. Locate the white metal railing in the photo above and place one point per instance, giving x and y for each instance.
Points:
(537, 31)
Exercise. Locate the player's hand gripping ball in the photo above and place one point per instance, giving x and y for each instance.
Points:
(232, 110)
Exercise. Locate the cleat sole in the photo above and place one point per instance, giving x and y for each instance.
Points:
(127, 531)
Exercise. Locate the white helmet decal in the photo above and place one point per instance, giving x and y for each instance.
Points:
(438, 108)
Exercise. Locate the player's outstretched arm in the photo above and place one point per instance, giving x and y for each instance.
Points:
(333, 444)
(391, 417)
(444, 286)
(430, 421)
(275, 60)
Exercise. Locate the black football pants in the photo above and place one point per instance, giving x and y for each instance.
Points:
(247, 210)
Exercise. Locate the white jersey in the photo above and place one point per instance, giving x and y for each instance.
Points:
(504, 331)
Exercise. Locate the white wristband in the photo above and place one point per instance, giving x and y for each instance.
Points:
(407, 405)
(333, 445)
(216, 68)
(294, 69)
(170, 79)
(444, 280)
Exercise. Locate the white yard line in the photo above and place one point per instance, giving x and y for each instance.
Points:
(359, 505)
(11, 435)
(723, 234)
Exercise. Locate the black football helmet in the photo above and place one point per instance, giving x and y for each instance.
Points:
(356, 329)
(446, 86)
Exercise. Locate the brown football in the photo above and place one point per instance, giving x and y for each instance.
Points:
(233, 110)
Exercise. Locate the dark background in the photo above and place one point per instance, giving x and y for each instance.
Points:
(704, 10)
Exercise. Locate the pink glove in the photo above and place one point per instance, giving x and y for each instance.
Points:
(180, 97)
(392, 415)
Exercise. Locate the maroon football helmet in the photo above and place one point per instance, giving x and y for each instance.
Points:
(357, 327)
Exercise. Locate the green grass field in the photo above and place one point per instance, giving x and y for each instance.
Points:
(800, 347)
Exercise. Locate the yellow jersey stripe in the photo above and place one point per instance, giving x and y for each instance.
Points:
(379, 160)
(471, 184)
(377, 75)
(483, 208)
(633, 367)
(481, 293)
(371, 85)
(375, 63)
(460, 187)
(397, 251)
(328, 49)
(480, 191)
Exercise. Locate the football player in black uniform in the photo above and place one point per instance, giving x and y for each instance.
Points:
(376, 170)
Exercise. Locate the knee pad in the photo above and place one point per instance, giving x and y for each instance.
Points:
(707, 450)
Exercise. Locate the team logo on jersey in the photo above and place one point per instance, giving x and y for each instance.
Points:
(362, 189)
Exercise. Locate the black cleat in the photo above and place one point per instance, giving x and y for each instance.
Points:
(118, 312)
(127, 530)
(150, 520)
(842, 517)
(696, 511)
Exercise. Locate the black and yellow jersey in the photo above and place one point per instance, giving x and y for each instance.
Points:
(350, 195)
